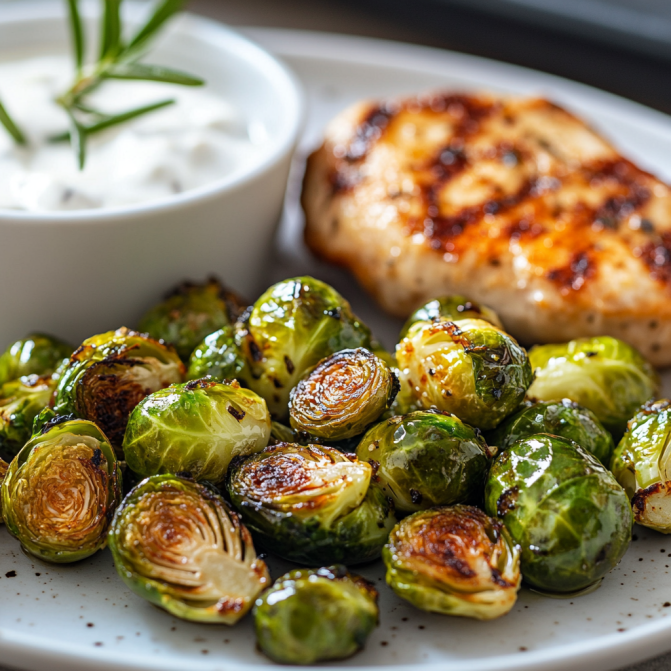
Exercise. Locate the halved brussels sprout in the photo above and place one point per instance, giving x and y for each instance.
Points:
(110, 374)
(452, 308)
(567, 512)
(560, 418)
(604, 374)
(36, 354)
(195, 428)
(61, 491)
(190, 312)
(311, 504)
(314, 615)
(642, 465)
(454, 560)
(3, 471)
(20, 402)
(218, 356)
(426, 459)
(344, 394)
(177, 544)
(469, 368)
(293, 326)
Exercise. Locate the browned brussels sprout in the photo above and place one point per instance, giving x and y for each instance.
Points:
(176, 543)
(343, 395)
(110, 374)
(36, 354)
(454, 560)
(190, 312)
(61, 490)
(3, 471)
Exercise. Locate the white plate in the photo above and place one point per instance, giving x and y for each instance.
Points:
(83, 617)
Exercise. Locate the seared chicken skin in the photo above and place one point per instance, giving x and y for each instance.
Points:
(513, 202)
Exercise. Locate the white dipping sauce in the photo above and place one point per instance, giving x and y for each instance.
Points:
(196, 141)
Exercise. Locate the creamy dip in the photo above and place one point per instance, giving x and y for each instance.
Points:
(196, 141)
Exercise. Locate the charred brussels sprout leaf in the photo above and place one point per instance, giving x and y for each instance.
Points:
(469, 368)
(37, 354)
(20, 402)
(560, 418)
(604, 374)
(218, 356)
(60, 492)
(426, 459)
(312, 504)
(343, 395)
(451, 308)
(569, 515)
(291, 327)
(454, 560)
(190, 312)
(313, 615)
(176, 544)
(110, 374)
(197, 428)
(3, 471)
(642, 465)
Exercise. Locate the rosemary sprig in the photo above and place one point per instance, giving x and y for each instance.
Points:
(116, 60)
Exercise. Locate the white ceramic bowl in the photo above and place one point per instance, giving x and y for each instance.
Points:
(77, 273)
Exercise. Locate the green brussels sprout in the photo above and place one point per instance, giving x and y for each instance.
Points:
(313, 615)
(604, 374)
(426, 459)
(3, 471)
(61, 491)
(218, 356)
(196, 428)
(190, 312)
(291, 327)
(567, 512)
(110, 374)
(343, 395)
(36, 354)
(560, 418)
(20, 402)
(279, 433)
(176, 543)
(454, 560)
(452, 308)
(642, 465)
(311, 504)
(469, 368)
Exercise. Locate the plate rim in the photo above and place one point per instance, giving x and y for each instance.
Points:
(603, 652)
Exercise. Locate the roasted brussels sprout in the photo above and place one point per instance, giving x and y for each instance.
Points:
(36, 354)
(197, 428)
(311, 504)
(454, 560)
(560, 418)
(569, 515)
(426, 459)
(604, 374)
(469, 368)
(110, 374)
(343, 395)
(451, 308)
(3, 471)
(190, 312)
(291, 327)
(20, 402)
(218, 356)
(61, 490)
(313, 615)
(642, 465)
(176, 544)
(279, 433)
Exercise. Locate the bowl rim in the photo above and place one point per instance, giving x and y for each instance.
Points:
(285, 82)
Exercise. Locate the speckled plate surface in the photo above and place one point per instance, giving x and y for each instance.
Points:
(82, 617)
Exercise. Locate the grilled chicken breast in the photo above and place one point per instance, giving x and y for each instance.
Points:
(513, 202)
